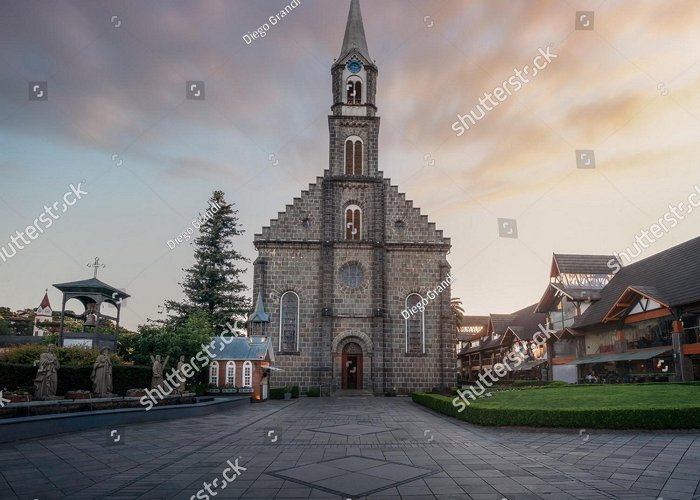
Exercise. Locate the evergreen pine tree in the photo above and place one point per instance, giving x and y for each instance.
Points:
(213, 283)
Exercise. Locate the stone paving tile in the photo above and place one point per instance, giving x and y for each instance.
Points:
(173, 459)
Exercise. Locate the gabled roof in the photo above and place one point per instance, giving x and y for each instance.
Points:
(499, 322)
(523, 324)
(476, 326)
(243, 348)
(45, 301)
(580, 264)
(672, 276)
(629, 298)
(355, 34)
(526, 322)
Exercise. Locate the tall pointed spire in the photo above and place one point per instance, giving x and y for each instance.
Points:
(355, 33)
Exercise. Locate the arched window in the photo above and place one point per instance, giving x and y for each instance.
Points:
(231, 373)
(289, 322)
(354, 88)
(353, 156)
(247, 374)
(415, 324)
(353, 222)
(214, 373)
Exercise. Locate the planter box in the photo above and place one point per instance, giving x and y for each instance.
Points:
(135, 393)
(18, 398)
(77, 395)
(214, 391)
(245, 390)
(287, 395)
(229, 391)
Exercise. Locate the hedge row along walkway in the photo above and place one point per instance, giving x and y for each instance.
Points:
(351, 448)
(653, 406)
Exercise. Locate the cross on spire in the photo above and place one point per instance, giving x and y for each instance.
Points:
(96, 265)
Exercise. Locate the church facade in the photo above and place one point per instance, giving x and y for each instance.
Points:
(336, 270)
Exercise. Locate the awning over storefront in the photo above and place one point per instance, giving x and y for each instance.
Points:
(621, 356)
(528, 365)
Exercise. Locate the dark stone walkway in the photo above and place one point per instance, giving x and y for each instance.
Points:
(349, 448)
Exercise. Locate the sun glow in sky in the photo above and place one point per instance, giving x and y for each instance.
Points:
(117, 120)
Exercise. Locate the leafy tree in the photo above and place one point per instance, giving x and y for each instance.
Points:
(167, 340)
(213, 283)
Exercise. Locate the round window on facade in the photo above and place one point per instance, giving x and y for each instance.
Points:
(352, 275)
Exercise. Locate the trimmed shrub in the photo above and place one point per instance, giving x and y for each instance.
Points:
(67, 356)
(295, 391)
(72, 378)
(590, 418)
(313, 392)
(277, 393)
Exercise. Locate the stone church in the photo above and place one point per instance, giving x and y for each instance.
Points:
(338, 267)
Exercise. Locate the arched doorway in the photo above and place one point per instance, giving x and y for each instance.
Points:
(352, 366)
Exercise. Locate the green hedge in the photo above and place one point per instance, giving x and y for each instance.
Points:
(592, 418)
(278, 392)
(71, 378)
(313, 392)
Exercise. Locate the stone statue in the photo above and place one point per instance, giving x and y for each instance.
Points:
(158, 368)
(102, 374)
(46, 380)
(180, 385)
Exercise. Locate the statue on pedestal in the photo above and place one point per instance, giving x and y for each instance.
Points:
(46, 380)
(180, 385)
(102, 374)
(158, 368)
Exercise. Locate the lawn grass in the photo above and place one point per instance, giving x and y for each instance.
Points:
(653, 406)
(595, 396)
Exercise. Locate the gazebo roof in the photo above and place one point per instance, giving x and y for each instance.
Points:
(92, 285)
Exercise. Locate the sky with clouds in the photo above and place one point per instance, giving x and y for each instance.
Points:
(116, 70)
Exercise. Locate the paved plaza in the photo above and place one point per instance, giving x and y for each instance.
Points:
(349, 448)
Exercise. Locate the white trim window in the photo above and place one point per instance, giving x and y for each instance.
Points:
(247, 374)
(214, 373)
(231, 373)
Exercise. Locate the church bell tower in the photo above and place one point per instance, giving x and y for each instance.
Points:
(353, 139)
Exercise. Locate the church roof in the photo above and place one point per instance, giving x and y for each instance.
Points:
(355, 33)
(243, 349)
(45, 301)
